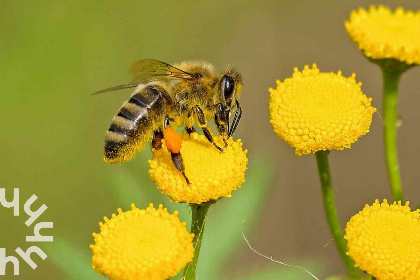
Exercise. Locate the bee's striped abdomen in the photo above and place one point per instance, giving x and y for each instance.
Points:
(132, 128)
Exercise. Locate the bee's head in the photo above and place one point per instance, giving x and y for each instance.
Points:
(230, 86)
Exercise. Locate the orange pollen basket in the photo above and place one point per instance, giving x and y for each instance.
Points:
(173, 140)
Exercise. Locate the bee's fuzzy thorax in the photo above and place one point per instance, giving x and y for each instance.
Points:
(198, 66)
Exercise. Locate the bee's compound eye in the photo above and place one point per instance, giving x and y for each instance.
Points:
(228, 86)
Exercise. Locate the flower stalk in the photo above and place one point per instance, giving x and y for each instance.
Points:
(392, 71)
(198, 221)
(331, 213)
(391, 79)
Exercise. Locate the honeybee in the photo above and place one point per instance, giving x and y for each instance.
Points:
(182, 95)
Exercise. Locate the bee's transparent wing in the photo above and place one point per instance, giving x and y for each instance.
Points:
(148, 70)
(130, 85)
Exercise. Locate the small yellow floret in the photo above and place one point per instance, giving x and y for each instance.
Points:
(382, 34)
(146, 244)
(315, 111)
(384, 241)
(212, 174)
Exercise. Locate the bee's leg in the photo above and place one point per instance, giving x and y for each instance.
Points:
(203, 124)
(167, 121)
(222, 121)
(189, 130)
(157, 139)
(236, 119)
(179, 164)
(175, 153)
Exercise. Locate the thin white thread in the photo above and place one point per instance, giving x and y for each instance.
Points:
(271, 258)
(329, 242)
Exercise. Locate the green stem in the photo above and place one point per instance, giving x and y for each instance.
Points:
(199, 213)
(390, 95)
(329, 206)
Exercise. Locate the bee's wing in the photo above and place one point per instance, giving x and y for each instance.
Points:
(130, 85)
(148, 70)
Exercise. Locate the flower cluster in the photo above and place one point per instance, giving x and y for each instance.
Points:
(382, 34)
(312, 111)
(142, 244)
(315, 111)
(384, 240)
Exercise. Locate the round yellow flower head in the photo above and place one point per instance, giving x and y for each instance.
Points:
(384, 241)
(212, 174)
(314, 111)
(382, 34)
(146, 244)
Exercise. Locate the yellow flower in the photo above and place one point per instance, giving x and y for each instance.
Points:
(381, 34)
(212, 174)
(384, 241)
(315, 111)
(146, 244)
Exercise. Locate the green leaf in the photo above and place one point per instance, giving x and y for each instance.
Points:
(223, 232)
(136, 187)
(72, 260)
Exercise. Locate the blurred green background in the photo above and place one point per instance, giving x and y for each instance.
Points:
(54, 54)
